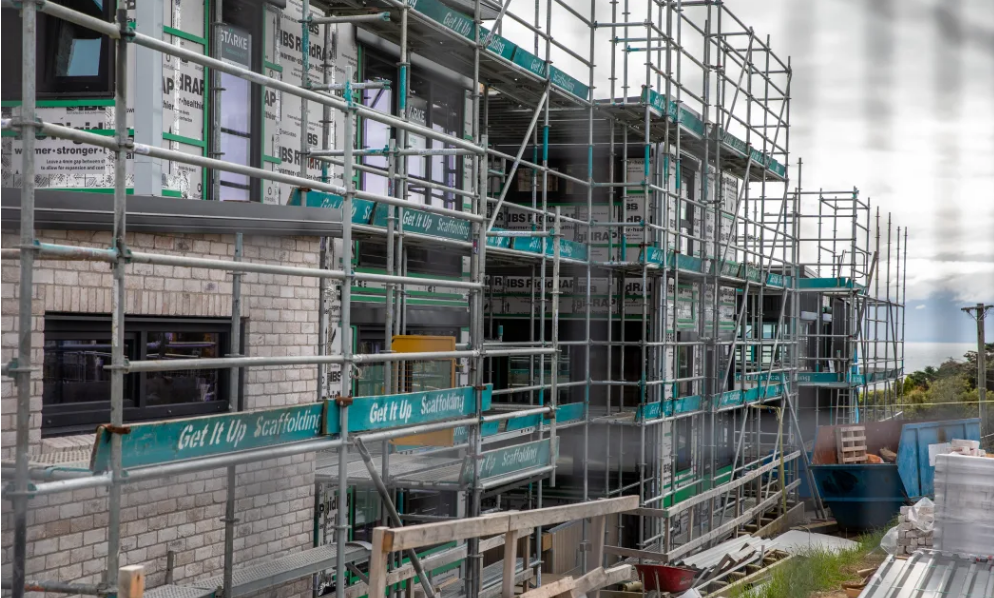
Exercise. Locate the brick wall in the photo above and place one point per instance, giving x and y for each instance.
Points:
(67, 532)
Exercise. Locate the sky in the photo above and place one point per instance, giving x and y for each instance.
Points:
(897, 99)
(892, 97)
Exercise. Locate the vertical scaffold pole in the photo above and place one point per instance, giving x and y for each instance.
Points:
(586, 315)
(345, 398)
(118, 302)
(233, 406)
(403, 77)
(327, 78)
(555, 238)
(22, 370)
(305, 82)
(477, 265)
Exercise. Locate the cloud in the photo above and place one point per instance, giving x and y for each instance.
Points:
(892, 98)
(965, 281)
(922, 306)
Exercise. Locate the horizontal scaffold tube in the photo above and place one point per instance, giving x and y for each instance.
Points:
(111, 30)
(141, 257)
(318, 98)
(285, 360)
(60, 587)
(110, 143)
(513, 414)
(191, 466)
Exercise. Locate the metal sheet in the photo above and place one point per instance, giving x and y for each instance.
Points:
(172, 591)
(800, 542)
(279, 571)
(932, 575)
(715, 554)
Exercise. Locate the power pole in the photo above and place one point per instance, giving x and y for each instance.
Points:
(979, 313)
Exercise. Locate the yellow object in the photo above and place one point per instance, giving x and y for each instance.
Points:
(425, 375)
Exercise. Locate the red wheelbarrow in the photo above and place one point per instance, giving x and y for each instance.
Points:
(666, 578)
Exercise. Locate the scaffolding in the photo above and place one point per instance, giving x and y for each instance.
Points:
(671, 278)
(853, 309)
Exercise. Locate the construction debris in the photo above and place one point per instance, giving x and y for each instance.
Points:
(914, 531)
(850, 441)
(800, 542)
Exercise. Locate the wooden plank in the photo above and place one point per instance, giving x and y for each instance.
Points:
(430, 562)
(510, 560)
(549, 590)
(440, 532)
(596, 531)
(564, 513)
(416, 536)
(131, 581)
(850, 444)
(378, 563)
(491, 543)
(600, 578)
(632, 553)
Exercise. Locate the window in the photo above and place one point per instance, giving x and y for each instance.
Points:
(685, 368)
(374, 133)
(71, 60)
(367, 514)
(684, 455)
(438, 106)
(77, 351)
(240, 100)
(724, 433)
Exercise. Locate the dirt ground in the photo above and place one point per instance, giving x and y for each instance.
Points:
(872, 560)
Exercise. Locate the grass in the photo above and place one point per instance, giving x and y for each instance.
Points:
(816, 571)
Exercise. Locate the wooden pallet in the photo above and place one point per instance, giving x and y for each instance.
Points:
(850, 442)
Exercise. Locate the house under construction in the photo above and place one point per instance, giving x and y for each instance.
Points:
(452, 258)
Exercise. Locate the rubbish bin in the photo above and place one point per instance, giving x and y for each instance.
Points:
(868, 496)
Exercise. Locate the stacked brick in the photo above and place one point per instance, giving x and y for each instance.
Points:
(910, 535)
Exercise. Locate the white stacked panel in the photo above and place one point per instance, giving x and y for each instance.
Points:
(964, 497)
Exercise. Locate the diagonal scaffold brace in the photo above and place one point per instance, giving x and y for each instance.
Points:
(392, 512)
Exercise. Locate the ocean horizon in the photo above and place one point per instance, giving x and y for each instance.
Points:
(918, 356)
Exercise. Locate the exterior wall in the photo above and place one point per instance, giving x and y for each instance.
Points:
(67, 533)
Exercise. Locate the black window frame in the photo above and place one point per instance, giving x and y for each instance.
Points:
(50, 85)
(84, 417)
(724, 434)
(250, 16)
(428, 88)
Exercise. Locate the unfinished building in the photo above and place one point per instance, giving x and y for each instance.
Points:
(453, 263)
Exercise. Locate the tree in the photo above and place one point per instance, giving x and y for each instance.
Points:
(970, 367)
(947, 392)
(917, 379)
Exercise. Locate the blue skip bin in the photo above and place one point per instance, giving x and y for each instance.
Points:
(868, 496)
